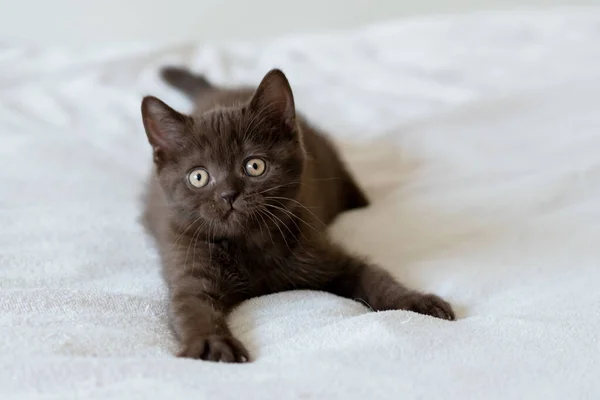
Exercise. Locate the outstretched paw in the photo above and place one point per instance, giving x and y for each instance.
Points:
(215, 348)
(429, 304)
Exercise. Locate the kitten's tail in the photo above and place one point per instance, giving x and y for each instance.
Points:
(189, 83)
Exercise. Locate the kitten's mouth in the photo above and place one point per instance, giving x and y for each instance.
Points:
(228, 213)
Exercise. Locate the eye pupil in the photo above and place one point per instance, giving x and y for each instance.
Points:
(255, 167)
(198, 178)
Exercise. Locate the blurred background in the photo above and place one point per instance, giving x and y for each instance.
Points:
(108, 22)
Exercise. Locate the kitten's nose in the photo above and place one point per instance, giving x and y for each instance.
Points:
(229, 196)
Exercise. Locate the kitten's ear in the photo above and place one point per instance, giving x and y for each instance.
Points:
(274, 99)
(164, 126)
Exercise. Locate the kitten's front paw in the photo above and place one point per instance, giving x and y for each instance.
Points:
(429, 304)
(215, 348)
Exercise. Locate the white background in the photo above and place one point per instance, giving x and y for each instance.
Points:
(111, 22)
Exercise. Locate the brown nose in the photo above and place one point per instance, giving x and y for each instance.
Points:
(229, 196)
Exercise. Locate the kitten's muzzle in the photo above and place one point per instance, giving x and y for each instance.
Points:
(229, 197)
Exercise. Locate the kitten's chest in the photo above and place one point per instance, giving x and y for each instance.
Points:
(253, 272)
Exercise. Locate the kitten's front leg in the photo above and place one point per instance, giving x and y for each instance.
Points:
(358, 280)
(199, 322)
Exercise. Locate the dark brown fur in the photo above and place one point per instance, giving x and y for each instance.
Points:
(242, 236)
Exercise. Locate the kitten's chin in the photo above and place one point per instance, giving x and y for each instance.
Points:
(232, 223)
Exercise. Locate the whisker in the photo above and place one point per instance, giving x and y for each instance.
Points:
(292, 216)
(210, 244)
(187, 252)
(279, 186)
(181, 235)
(269, 214)
(302, 182)
(260, 214)
(252, 215)
(284, 224)
(194, 255)
(300, 204)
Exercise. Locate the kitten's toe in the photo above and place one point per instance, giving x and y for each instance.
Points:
(430, 304)
(215, 348)
(192, 348)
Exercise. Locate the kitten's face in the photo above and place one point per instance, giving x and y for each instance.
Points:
(231, 169)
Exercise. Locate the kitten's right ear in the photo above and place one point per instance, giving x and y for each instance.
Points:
(164, 126)
(274, 99)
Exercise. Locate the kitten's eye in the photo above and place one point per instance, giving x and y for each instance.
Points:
(255, 167)
(198, 177)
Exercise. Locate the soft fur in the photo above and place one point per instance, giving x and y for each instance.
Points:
(242, 236)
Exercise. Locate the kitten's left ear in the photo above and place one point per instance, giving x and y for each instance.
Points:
(274, 99)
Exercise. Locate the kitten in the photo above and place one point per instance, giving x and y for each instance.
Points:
(238, 203)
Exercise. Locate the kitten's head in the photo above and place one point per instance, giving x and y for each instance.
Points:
(227, 167)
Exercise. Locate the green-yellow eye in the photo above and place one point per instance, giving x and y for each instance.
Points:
(255, 167)
(198, 177)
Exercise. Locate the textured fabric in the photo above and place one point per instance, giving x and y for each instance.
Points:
(478, 139)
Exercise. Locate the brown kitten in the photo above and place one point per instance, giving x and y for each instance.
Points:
(238, 204)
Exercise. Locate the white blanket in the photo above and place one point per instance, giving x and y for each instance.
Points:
(484, 170)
